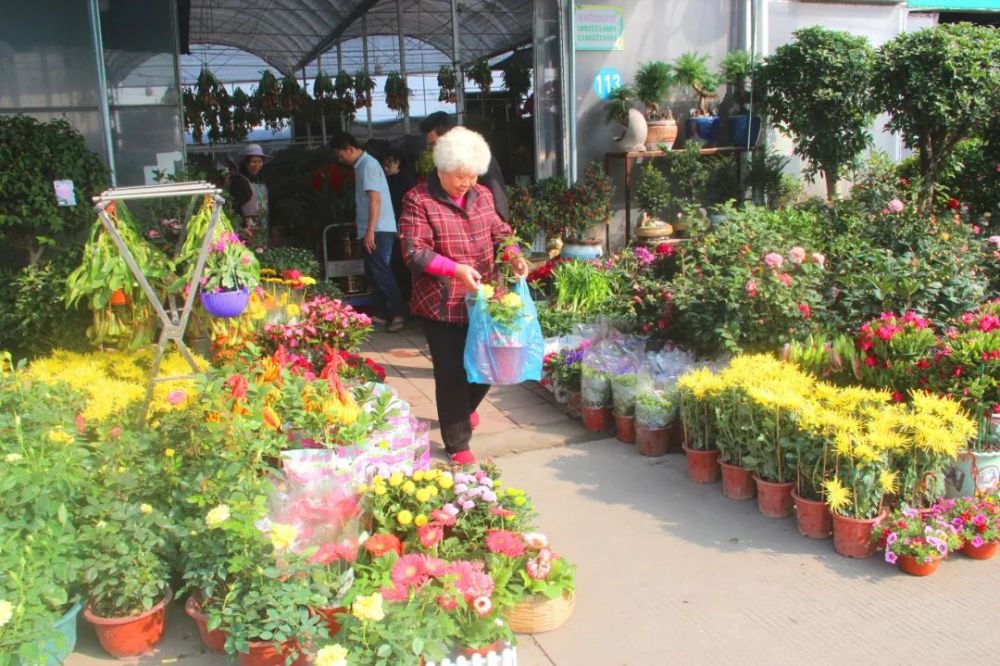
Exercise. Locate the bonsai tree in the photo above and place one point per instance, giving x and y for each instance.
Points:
(34, 154)
(691, 70)
(619, 102)
(940, 85)
(652, 83)
(738, 69)
(819, 89)
(653, 192)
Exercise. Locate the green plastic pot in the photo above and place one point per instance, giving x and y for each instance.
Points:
(59, 649)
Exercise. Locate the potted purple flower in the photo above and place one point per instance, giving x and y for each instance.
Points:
(231, 271)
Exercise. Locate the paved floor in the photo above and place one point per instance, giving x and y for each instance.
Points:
(670, 572)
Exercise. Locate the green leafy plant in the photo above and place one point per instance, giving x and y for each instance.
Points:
(652, 84)
(517, 81)
(940, 86)
(480, 74)
(653, 192)
(364, 85)
(739, 68)
(820, 89)
(655, 408)
(581, 287)
(127, 569)
(281, 259)
(34, 154)
(586, 203)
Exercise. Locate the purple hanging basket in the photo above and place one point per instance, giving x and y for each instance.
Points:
(225, 303)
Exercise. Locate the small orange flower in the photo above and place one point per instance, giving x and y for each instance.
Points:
(271, 418)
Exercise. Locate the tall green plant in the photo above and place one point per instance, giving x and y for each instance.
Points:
(691, 70)
(820, 90)
(652, 84)
(32, 155)
(941, 86)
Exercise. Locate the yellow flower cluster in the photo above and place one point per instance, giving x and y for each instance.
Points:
(112, 381)
(332, 655)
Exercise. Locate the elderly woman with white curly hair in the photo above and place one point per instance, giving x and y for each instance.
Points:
(449, 232)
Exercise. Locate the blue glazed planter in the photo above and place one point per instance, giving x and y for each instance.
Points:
(743, 129)
(705, 128)
(585, 252)
(225, 303)
(58, 650)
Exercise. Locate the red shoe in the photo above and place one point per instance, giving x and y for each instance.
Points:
(474, 420)
(464, 458)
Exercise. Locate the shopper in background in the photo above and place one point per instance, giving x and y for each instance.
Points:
(439, 123)
(249, 195)
(449, 232)
(376, 224)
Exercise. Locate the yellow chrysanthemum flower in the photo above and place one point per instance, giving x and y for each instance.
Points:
(396, 479)
(487, 291)
(409, 487)
(404, 517)
(889, 481)
(511, 300)
(837, 496)
(420, 520)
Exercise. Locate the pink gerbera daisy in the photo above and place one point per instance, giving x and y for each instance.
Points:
(505, 542)
(470, 580)
(442, 517)
(430, 535)
(395, 593)
(409, 571)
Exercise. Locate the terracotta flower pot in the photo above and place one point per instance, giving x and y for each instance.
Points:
(118, 297)
(984, 552)
(130, 636)
(737, 482)
(329, 616)
(909, 564)
(703, 466)
(267, 654)
(852, 537)
(625, 426)
(574, 399)
(596, 419)
(774, 500)
(813, 517)
(652, 442)
(214, 640)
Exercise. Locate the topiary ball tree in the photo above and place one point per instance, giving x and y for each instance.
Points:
(941, 86)
(819, 90)
(34, 154)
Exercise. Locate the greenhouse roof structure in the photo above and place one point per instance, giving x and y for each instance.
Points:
(291, 34)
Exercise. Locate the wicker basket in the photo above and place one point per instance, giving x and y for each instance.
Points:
(537, 614)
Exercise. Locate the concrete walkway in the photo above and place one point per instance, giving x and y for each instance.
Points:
(670, 572)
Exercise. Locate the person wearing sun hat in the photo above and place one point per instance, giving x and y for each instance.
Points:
(249, 195)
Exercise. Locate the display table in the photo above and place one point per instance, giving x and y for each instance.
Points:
(631, 156)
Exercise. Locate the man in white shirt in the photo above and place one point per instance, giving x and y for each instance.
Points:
(376, 223)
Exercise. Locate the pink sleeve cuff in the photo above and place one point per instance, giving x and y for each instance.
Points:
(441, 266)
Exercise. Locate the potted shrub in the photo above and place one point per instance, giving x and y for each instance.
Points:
(652, 84)
(127, 576)
(585, 205)
(738, 71)
(654, 197)
(915, 543)
(977, 521)
(696, 392)
(568, 373)
(856, 490)
(691, 70)
(737, 480)
(595, 389)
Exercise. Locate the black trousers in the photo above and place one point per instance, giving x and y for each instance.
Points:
(456, 397)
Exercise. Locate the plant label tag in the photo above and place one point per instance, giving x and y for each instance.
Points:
(65, 194)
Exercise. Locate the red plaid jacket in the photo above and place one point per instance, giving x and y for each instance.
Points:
(431, 224)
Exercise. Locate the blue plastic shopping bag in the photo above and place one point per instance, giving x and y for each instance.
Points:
(501, 353)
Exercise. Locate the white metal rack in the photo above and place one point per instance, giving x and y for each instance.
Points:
(174, 323)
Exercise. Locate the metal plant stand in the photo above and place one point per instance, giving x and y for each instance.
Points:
(174, 323)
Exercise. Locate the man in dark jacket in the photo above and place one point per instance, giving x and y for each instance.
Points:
(437, 125)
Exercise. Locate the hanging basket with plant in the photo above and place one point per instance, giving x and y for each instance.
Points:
(266, 101)
(481, 74)
(397, 93)
(448, 83)
(364, 85)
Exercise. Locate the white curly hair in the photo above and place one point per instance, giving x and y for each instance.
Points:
(461, 149)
